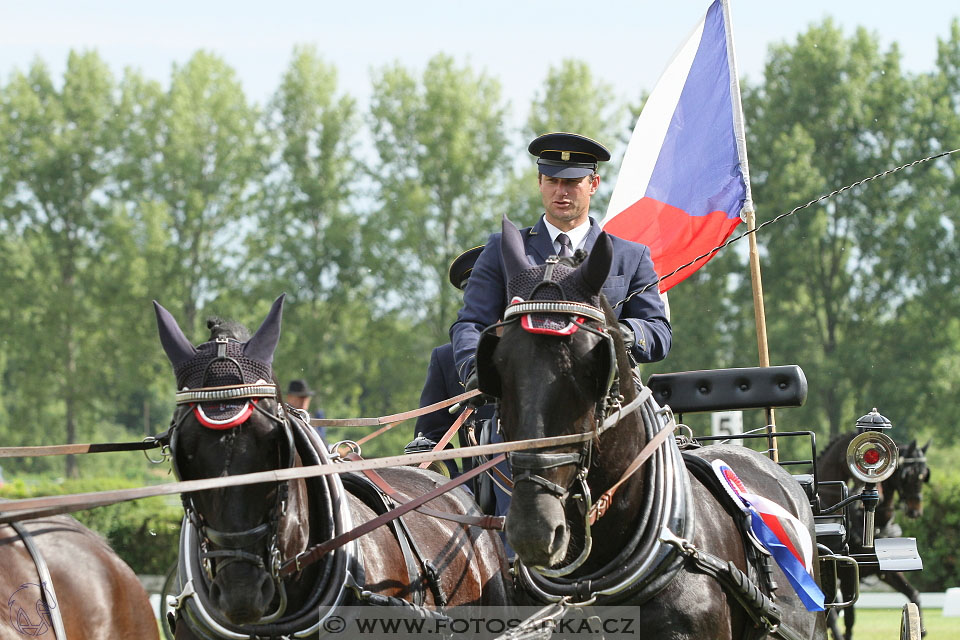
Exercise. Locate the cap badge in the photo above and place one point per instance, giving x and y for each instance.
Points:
(565, 156)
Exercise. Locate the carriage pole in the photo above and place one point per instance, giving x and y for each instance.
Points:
(751, 219)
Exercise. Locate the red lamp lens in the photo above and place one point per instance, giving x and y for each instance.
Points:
(871, 457)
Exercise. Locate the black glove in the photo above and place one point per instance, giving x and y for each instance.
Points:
(472, 383)
(629, 339)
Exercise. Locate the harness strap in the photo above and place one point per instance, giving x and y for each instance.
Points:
(318, 551)
(761, 608)
(46, 581)
(396, 417)
(598, 508)
(483, 521)
(449, 434)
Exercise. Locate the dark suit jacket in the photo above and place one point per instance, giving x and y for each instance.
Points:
(485, 297)
(441, 383)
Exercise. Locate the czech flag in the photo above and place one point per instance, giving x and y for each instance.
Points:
(684, 180)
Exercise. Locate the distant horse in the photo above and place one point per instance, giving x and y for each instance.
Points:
(904, 487)
(230, 420)
(97, 594)
(663, 542)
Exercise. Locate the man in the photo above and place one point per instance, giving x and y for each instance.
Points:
(299, 395)
(567, 180)
(442, 381)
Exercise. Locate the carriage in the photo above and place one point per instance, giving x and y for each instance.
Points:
(844, 523)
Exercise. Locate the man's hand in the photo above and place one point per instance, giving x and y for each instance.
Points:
(473, 383)
(629, 339)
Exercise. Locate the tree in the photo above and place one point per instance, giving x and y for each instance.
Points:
(439, 171)
(59, 174)
(200, 172)
(307, 240)
(843, 291)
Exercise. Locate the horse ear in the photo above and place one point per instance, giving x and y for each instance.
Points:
(175, 344)
(926, 446)
(264, 342)
(512, 249)
(595, 268)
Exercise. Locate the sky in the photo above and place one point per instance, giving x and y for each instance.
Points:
(627, 44)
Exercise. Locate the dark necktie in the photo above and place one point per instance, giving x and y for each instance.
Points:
(565, 246)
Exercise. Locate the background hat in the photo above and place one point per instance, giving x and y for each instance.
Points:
(299, 388)
(462, 266)
(567, 155)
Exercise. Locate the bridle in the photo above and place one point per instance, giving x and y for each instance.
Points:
(529, 467)
(908, 487)
(219, 549)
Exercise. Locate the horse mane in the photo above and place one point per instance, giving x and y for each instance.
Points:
(836, 440)
(220, 328)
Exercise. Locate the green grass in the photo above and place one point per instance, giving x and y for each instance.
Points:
(884, 624)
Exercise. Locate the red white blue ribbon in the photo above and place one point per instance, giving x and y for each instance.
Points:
(777, 529)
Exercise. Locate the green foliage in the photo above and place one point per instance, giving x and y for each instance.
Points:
(144, 533)
(937, 531)
(440, 144)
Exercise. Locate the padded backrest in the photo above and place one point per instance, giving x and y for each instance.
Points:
(730, 389)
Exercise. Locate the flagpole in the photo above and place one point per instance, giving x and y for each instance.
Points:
(761, 320)
(750, 214)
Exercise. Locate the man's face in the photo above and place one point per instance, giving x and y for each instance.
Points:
(566, 201)
(299, 402)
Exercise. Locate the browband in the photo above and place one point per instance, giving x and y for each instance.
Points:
(538, 306)
(211, 394)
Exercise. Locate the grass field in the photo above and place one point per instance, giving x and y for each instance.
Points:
(884, 624)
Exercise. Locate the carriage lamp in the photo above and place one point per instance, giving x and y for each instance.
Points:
(872, 458)
(873, 421)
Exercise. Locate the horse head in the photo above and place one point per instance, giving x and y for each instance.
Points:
(912, 473)
(551, 368)
(229, 421)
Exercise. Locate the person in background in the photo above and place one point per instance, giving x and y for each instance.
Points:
(442, 381)
(299, 395)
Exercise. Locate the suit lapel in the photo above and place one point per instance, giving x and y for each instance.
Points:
(538, 242)
(592, 236)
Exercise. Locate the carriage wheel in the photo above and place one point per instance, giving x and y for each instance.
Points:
(168, 586)
(910, 622)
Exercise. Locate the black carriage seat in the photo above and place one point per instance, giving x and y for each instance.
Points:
(730, 389)
(748, 388)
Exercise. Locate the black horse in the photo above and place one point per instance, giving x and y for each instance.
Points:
(663, 542)
(904, 487)
(236, 541)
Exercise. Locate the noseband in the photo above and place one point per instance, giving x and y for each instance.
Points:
(227, 547)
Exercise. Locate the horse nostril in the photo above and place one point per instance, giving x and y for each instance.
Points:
(557, 537)
(266, 590)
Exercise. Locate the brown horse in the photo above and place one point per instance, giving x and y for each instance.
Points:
(904, 487)
(231, 420)
(664, 543)
(97, 594)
